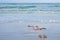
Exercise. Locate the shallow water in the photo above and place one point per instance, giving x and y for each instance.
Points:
(14, 26)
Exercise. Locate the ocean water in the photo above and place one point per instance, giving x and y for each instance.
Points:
(15, 18)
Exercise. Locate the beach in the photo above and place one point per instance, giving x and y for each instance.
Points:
(14, 23)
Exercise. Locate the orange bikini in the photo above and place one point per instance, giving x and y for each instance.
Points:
(36, 28)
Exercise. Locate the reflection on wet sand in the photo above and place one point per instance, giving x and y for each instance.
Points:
(42, 36)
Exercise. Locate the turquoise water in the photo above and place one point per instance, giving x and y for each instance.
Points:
(14, 19)
(32, 6)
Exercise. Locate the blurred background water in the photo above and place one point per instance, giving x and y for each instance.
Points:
(15, 17)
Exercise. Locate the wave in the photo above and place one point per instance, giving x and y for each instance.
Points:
(21, 7)
(31, 7)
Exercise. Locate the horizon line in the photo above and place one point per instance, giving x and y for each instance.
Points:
(22, 2)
